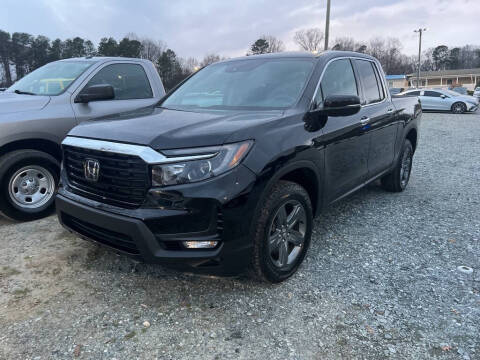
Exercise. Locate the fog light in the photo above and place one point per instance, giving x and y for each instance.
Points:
(200, 244)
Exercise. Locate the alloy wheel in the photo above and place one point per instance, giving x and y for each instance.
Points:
(406, 167)
(286, 235)
(459, 108)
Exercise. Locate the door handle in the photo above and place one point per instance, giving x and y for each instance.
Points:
(364, 120)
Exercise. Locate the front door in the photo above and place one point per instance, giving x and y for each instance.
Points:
(344, 140)
(132, 91)
(433, 100)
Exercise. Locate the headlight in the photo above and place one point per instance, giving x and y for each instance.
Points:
(221, 159)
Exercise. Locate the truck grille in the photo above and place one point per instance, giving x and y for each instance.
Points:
(123, 179)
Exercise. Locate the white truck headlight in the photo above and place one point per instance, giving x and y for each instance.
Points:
(223, 158)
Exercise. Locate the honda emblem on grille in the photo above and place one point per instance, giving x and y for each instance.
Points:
(91, 169)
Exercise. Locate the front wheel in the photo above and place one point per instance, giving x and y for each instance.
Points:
(397, 180)
(28, 180)
(282, 232)
(459, 108)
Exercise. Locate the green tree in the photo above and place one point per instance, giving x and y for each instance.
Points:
(5, 52)
(362, 49)
(440, 57)
(21, 53)
(55, 51)
(454, 59)
(89, 48)
(108, 47)
(74, 48)
(129, 48)
(39, 47)
(259, 47)
(170, 69)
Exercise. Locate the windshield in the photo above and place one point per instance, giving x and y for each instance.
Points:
(451, 93)
(51, 79)
(244, 84)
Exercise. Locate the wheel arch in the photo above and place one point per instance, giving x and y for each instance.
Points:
(47, 146)
(305, 174)
(412, 136)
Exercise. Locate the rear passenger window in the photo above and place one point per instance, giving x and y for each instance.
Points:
(128, 80)
(371, 87)
(432, 94)
(413, 93)
(338, 79)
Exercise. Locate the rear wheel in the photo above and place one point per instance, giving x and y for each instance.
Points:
(459, 108)
(28, 180)
(397, 180)
(282, 232)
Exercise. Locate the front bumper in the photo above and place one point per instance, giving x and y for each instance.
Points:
(472, 107)
(220, 210)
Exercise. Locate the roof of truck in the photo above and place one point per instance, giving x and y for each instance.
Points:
(303, 54)
(102, 59)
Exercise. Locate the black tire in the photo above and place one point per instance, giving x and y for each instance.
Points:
(16, 165)
(397, 180)
(283, 195)
(459, 108)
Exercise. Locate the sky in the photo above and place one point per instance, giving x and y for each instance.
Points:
(229, 27)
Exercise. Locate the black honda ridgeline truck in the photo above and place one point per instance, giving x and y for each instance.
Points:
(228, 170)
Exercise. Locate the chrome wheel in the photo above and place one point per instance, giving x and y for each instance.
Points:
(31, 187)
(406, 167)
(286, 235)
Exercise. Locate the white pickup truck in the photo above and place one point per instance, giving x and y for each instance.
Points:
(40, 109)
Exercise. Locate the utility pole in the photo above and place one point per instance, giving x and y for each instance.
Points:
(419, 31)
(327, 25)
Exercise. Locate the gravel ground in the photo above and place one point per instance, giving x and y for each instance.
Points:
(381, 280)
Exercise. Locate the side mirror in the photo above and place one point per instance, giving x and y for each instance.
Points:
(443, 96)
(341, 105)
(95, 93)
(334, 105)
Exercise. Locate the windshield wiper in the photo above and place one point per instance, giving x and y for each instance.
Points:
(23, 92)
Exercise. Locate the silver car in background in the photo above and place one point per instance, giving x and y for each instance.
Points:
(476, 92)
(444, 100)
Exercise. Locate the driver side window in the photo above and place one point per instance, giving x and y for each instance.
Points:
(338, 79)
(129, 81)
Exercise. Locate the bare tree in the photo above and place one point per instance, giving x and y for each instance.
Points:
(274, 44)
(210, 59)
(376, 47)
(345, 43)
(151, 49)
(309, 39)
(190, 65)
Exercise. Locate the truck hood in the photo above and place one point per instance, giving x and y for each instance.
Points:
(162, 128)
(11, 102)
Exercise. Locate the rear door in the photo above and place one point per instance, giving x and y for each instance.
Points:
(346, 144)
(378, 115)
(131, 85)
